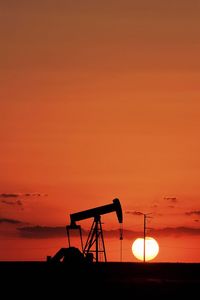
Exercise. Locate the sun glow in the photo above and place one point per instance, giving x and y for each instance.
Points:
(151, 248)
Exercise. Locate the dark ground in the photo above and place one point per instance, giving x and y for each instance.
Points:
(31, 280)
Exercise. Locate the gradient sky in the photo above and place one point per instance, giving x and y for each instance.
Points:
(98, 100)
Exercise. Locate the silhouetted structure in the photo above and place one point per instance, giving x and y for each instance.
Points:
(68, 255)
(95, 242)
(94, 246)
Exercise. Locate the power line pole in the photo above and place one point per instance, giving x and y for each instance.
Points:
(121, 239)
(144, 259)
(145, 228)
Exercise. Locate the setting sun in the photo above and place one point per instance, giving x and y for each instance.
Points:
(151, 248)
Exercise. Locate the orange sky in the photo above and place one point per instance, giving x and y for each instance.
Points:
(98, 100)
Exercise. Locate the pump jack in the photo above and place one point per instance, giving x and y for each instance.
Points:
(94, 246)
(95, 241)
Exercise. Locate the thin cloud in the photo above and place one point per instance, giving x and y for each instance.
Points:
(171, 206)
(41, 232)
(171, 199)
(154, 206)
(9, 202)
(10, 221)
(46, 232)
(176, 231)
(35, 194)
(9, 195)
(12, 198)
(60, 231)
(15, 195)
(161, 232)
(193, 212)
(135, 213)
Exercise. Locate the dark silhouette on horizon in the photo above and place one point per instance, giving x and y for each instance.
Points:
(94, 248)
(72, 272)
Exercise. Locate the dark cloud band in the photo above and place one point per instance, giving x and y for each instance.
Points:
(10, 221)
(15, 195)
(193, 212)
(55, 232)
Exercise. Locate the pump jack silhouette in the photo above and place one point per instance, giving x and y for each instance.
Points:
(94, 246)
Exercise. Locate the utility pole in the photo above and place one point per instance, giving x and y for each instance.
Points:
(145, 237)
(145, 228)
(121, 239)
